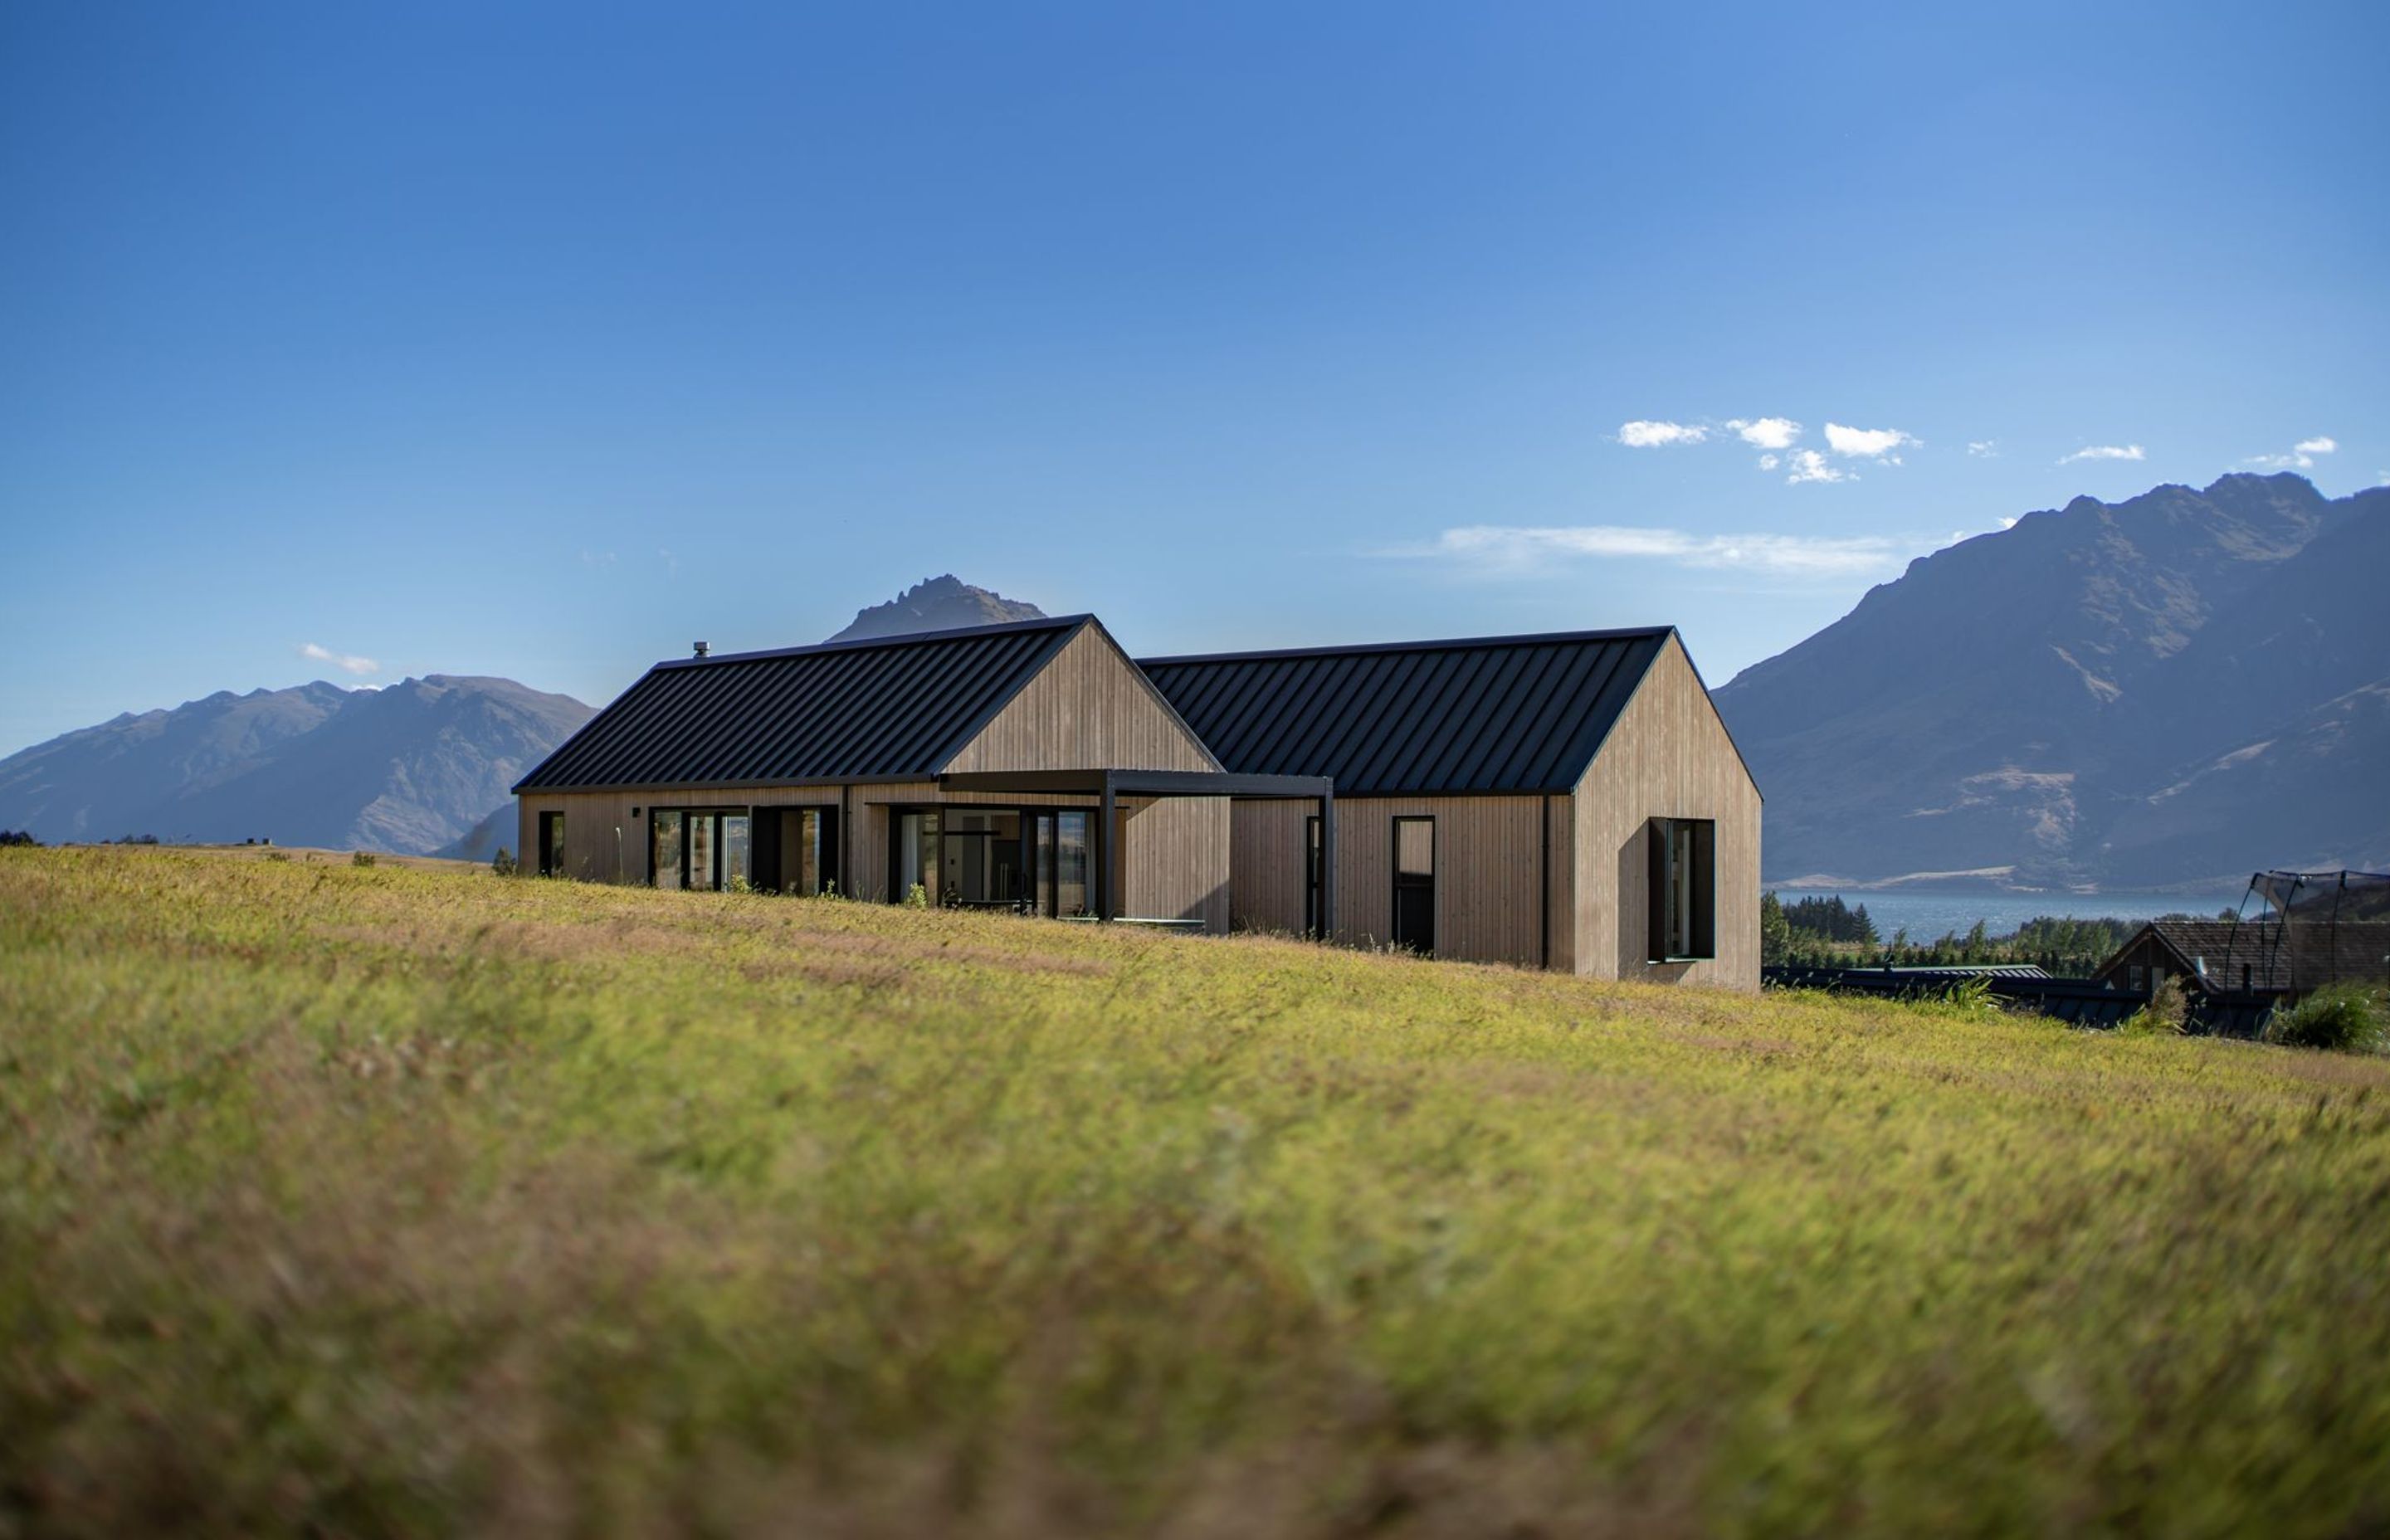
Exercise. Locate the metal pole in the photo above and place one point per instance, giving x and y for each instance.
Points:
(1328, 864)
(1108, 855)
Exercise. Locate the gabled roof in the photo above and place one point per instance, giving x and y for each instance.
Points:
(1476, 715)
(884, 708)
(2304, 955)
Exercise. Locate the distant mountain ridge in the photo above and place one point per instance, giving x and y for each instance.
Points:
(2181, 687)
(408, 768)
(944, 603)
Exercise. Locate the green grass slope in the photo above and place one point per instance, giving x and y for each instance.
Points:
(368, 1201)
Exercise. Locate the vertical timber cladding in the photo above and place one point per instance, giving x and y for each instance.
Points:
(603, 841)
(1087, 709)
(1173, 850)
(1667, 757)
(1489, 856)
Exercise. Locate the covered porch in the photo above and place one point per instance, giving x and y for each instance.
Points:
(1110, 788)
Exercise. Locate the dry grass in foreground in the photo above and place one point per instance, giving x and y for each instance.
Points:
(346, 1201)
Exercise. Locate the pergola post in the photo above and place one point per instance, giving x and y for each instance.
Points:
(1108, 859)
(1327, 865)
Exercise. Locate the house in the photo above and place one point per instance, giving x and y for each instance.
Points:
(1569, 801)
(2263, 957)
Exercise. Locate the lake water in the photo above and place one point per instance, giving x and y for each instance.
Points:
(1930, 915)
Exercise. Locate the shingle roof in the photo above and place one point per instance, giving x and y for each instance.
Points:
(1485, 715)
(2308, 956)
(887, 707)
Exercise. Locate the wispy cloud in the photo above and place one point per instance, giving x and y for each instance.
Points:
(596, 558)
(1766, 432)
(2301, 454)
(1523, 548)
(1984, 449)
(1808, 466)
(348, 662)
(2105, 452)
(1640, 434)
(1873, 444)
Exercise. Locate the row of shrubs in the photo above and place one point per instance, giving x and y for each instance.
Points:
(2347, 1018)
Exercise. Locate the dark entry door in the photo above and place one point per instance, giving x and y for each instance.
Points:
(1415, 883)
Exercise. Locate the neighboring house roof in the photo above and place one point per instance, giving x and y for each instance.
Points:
(887, 708)
(2308, 956)
(1485, 715)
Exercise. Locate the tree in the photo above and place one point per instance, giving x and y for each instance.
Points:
(1774, 931)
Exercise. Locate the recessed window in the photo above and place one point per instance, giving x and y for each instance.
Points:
(1415, 884)
(1683, 890)
(551, 844)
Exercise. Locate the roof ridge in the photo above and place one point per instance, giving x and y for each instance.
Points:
(902, 638)
(1441, 644)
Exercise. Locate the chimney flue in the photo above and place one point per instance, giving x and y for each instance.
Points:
(700, 647)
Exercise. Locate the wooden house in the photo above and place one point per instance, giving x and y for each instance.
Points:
(1569, 801)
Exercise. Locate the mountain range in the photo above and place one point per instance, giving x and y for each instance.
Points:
(2177, 688)
(406, 768)
(422, 767)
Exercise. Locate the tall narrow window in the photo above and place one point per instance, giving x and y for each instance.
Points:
(1415, 884)
(1071, 862)
(1683, 890)
(551, 844)
(1311, 877)
(701, 851)
(734, 870)
(663, 855)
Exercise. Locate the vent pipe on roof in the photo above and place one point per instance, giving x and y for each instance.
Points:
(700, 647)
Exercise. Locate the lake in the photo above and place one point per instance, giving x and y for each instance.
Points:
(1929, 915)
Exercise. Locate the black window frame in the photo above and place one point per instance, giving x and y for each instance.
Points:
(765, 870)
(1311, 864)
(1396, 931)
(1029, 902)
(716, 844)
(1701, 939)
(551, 844)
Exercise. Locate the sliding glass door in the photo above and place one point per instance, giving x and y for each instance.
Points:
(1029, 860)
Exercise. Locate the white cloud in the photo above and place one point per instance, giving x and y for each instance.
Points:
(2301, 454)
(1639, 434)
(596, 558)
(2106, 452)
(1809, 466)
(1769, 462)
(347, 661)
(1869, 443)
(1766, 432)
(1526, 548)
(2007, 522)
(1984, 449)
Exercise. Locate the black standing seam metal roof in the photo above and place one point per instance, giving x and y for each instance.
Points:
(1522, 714)
(884, 708)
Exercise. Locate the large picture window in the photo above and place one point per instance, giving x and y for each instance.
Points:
(703, 848)
(1684, 889)
(1028, 860)
(794, 850)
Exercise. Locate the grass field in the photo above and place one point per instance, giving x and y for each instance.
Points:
(346, 1200)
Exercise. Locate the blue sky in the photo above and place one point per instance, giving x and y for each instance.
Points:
(539, 340)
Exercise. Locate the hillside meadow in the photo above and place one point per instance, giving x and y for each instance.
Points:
(346, 1202)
